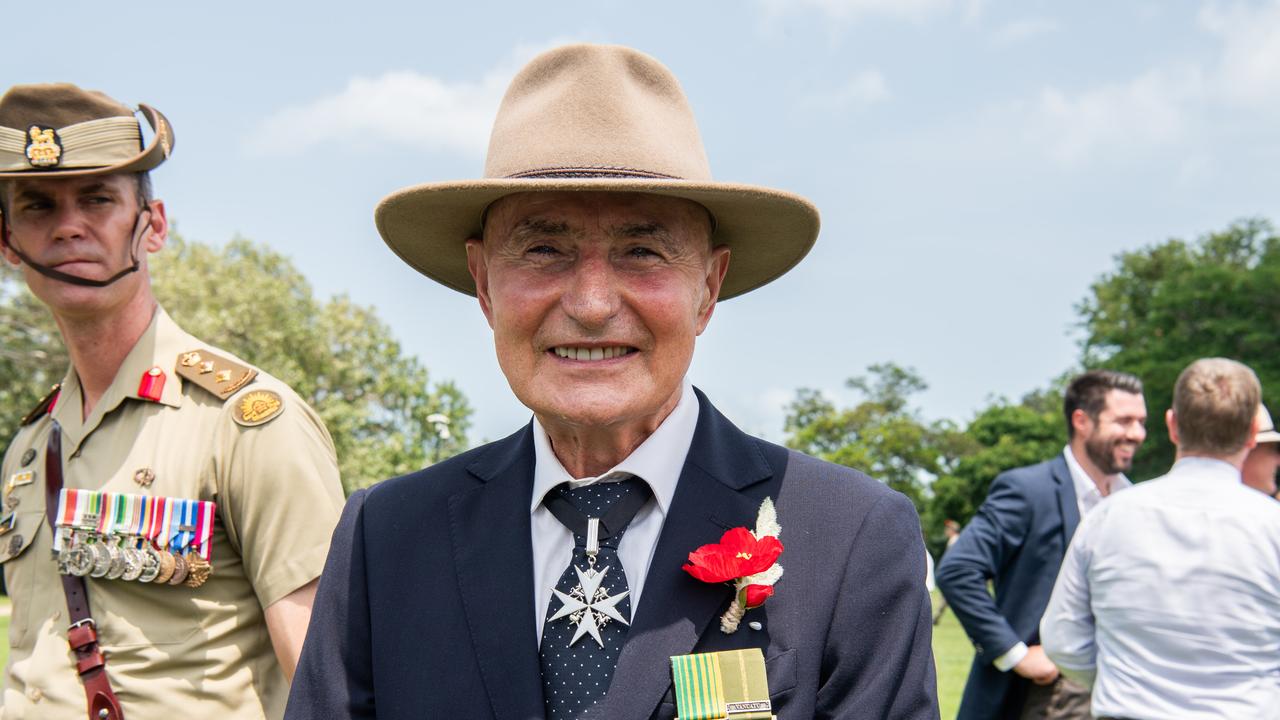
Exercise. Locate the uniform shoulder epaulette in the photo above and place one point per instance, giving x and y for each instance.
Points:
(42, 407)
(219, 375)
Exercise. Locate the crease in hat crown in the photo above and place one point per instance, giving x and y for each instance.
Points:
(59, 129)
(602, 118)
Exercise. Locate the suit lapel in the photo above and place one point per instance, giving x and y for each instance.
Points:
(489, 528)
(675, 609)
(1066, 499)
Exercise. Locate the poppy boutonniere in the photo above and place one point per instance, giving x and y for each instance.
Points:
(747, 560)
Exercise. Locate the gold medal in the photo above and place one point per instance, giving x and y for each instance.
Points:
(179, 571)
(198, 570)
(167, 565)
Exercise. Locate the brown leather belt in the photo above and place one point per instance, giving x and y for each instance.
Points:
(82, 635)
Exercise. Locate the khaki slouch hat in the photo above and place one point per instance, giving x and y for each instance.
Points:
(606, 119)
(60, 130)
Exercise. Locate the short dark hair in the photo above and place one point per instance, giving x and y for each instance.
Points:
(142, 181)
(1088, 392)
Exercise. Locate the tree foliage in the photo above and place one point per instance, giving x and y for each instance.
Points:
(883, 435)
(378, 403)
(1164, 306)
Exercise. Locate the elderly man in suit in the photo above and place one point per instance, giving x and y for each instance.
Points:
(1017, 540)
(541, 575)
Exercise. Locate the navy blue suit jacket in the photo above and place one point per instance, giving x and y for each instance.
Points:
(1017, 540)
(425, 608)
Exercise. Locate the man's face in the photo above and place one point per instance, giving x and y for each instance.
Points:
(595, 300)
(82, 226)
(1112, 439)
(1260, 465)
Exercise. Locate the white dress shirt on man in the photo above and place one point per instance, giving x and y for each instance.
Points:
(1087, 498)
(658, 461)
(1169, 599)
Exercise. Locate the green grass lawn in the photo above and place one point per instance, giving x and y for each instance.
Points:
(952, 653)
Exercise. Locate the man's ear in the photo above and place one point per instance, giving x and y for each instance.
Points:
(1081, 423)
(479, 269)
(717, 266)
(5, 250)
(159, 225)
(1171, 421)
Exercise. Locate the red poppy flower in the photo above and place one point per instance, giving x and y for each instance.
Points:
(737, 555)
(757, 594)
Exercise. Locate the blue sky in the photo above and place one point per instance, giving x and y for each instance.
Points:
(978, 163)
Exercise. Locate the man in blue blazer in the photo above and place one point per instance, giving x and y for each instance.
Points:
(541, 575)
(1017, 541)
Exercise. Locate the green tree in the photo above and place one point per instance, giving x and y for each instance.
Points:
(1004, 435)
(883, 435)
(385, 417)
(1166, 305)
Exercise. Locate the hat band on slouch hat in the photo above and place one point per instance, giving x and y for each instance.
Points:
(90, 144)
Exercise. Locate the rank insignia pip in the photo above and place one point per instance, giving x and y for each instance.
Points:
(28, 456)
(257, 407)
(220, 376)
(44, 147)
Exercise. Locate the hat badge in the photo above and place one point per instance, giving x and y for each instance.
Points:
(44, 147)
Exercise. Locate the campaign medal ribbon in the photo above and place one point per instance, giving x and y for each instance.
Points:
(722, 685)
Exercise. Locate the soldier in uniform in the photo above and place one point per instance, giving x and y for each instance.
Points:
(168, 508)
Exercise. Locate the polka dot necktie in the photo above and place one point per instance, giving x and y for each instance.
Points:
(590, 610)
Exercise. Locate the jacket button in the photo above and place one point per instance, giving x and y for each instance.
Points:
(34, 694)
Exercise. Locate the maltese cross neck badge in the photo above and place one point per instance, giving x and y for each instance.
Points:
(589, 606)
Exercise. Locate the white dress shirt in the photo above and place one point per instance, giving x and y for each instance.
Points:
(1170, 597)
(658, 461)
(1087, 498)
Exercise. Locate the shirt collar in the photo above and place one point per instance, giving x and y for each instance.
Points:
(1207, 469)
(658, 461)
(1084, 484)
(159, 346)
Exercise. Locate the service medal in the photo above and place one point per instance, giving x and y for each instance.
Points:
(132, 564)
(101, 560)
(117, 567)
(150, 564)
(179, 571)
(198, 570)
(167, 566)
(80, 560)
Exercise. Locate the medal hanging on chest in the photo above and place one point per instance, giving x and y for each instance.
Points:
(589, 606)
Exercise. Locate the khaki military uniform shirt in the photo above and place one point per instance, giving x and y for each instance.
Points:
(173, 651)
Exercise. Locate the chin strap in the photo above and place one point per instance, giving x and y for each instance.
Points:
(139, 230)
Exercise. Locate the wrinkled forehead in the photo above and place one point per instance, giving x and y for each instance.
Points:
(42, 186)
(610, 212)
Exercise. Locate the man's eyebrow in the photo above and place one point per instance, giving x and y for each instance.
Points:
(539, 226)
(644, 230)
(91, 188)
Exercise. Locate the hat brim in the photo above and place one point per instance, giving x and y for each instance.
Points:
(1268, 436)
(768, 231)
(155, 153)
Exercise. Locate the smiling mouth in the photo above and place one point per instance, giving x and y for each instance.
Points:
(594, 354)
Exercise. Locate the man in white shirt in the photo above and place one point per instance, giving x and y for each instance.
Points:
(1017, 540)
(1168, 601)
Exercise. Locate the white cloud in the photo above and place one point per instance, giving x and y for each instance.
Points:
(867, 87)
(1020, 30)
(397, 109)
(1149, 111)
(1249, 72)
(855, 9)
